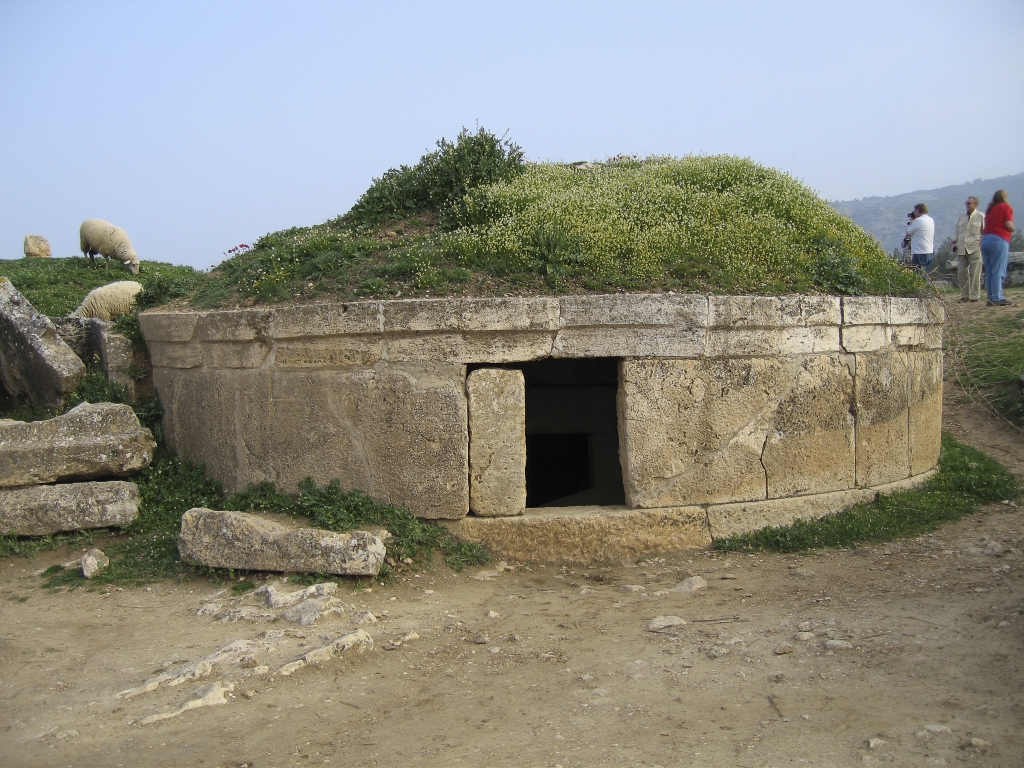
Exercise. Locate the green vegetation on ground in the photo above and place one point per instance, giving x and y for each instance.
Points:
(990, 355)
(966, 478)
(57, 286)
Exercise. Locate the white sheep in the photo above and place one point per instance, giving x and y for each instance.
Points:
(109, 302)
(108, 240)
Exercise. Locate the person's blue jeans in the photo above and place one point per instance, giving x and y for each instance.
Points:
(922, 261)
(995, 253)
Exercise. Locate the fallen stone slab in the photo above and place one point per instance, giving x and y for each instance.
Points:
(41, 510)
(91, 440)
(34, 361)
(224, 539)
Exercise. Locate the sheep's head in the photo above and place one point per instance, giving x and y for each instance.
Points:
(131, 261)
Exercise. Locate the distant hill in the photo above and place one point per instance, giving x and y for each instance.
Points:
(886, 217)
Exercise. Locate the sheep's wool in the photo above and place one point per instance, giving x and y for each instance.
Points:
(97, 236)
(109, 302)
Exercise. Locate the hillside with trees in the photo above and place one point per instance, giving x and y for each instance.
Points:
(886, 217)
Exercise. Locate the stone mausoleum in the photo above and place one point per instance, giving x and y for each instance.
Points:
(573, 428)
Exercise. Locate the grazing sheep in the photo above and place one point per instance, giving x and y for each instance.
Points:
(102, 237)
(109, 302)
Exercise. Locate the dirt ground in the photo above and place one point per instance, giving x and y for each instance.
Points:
(551, 667)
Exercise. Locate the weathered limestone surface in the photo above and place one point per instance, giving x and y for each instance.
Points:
(810, 445)
(41, 510)
(90, 440)
(723, 399)
(732, 519)
(76, 332)
(925, 405)
(259, 543)
(586, 534)
(692, 431)
(497, 442)
(115, 355)
(34, 361)
(95, 341)
(398, 433)
(37, 247)
(94, 562)
(881, 389)
(727, 520)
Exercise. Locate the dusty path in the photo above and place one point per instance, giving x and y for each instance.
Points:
(565, 672)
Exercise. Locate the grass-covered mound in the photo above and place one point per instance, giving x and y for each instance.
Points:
(471, 218)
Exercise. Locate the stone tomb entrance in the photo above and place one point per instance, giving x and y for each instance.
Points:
(575, 428)
(544, 434)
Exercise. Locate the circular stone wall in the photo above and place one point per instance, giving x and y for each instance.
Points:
(734, 412)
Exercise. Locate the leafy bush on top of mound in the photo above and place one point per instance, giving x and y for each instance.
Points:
(438, 179)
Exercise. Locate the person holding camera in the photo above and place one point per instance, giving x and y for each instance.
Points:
(995, 247)
(921, 233)
(967, 247)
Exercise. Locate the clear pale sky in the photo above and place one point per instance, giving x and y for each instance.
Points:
(199, 126)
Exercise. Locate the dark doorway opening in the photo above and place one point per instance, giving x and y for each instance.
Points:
(572, 434)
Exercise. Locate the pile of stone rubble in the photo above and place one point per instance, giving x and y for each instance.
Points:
(62, 474)
(56, 475)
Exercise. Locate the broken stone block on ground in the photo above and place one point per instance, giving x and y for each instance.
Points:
(224, 539)
(37, 247)
(91, 440)
(94, 562)
(41, 510)
(34, 361)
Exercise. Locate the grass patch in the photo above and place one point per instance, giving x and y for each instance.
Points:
(57, 286)
(966, 479)
(991, 347)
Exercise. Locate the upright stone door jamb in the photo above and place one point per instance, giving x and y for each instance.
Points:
(497, 442)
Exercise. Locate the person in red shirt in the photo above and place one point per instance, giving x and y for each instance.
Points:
(995, 247)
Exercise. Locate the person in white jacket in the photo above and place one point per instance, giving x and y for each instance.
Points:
(921, 232)
(967, 247)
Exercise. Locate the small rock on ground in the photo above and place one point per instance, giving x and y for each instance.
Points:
(664, 622)
(93, 562)
(692, 584)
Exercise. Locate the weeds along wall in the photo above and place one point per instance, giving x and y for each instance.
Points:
(734, 412)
